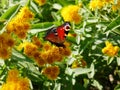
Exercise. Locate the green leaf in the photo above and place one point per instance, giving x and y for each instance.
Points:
(9, 12)
(114, 24)
(20, 56)
(118, 61)
(117, 31)
(117, 87)
(57, 86)
(71, 39)
(91, 74)
(41, 25)
(97, 84)
(79, 71)
(25, 62)
(110, 59)
(66, 2)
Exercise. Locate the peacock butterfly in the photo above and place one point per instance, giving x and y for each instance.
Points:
(57, 35)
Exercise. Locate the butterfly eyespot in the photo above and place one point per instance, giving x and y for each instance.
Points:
(67, 27)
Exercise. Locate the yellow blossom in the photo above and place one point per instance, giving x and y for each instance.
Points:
(47, 46)
(25, 14)
(67, 51)
(71, 13)
(5, 53)
(51, 72)
(116, 6)
(96, 4)
(40, 62)
(75, 64)
(40, 2)
(37, 42)
(108, 1)
(6, 44)
(15, 82)
(30, 48)
(110, 50)
(13, 75)
(20, 23)
(48, 54)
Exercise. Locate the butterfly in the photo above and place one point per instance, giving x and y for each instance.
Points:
(57, 35)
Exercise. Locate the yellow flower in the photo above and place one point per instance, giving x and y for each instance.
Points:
(10, 42)
(75, 64)
(71, 13)
(51, 72)
(25, 14)
(20, 23)
(13, 75)
(40, 62)
(5, 53)
(47, 46)
(37, 42)
(36, 54)
(40, 2)
(6, 44)
(96, 4)
(50, 53)
(15, 82)
(50, 58)
(23, 84)
(116, 7)
(110, 50)
(30, 48)
(108, 1)
(67, 51)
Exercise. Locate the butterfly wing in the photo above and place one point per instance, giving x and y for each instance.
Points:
(57, 35)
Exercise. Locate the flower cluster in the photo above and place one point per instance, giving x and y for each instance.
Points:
(71, 15)
(15, 82)
(51, 72)
(110, 50)
(47, 53)
(6, 44)
(20, 23)
(40, 2)
(98, 4)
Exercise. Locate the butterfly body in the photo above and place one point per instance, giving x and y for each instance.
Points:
(58, 34)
